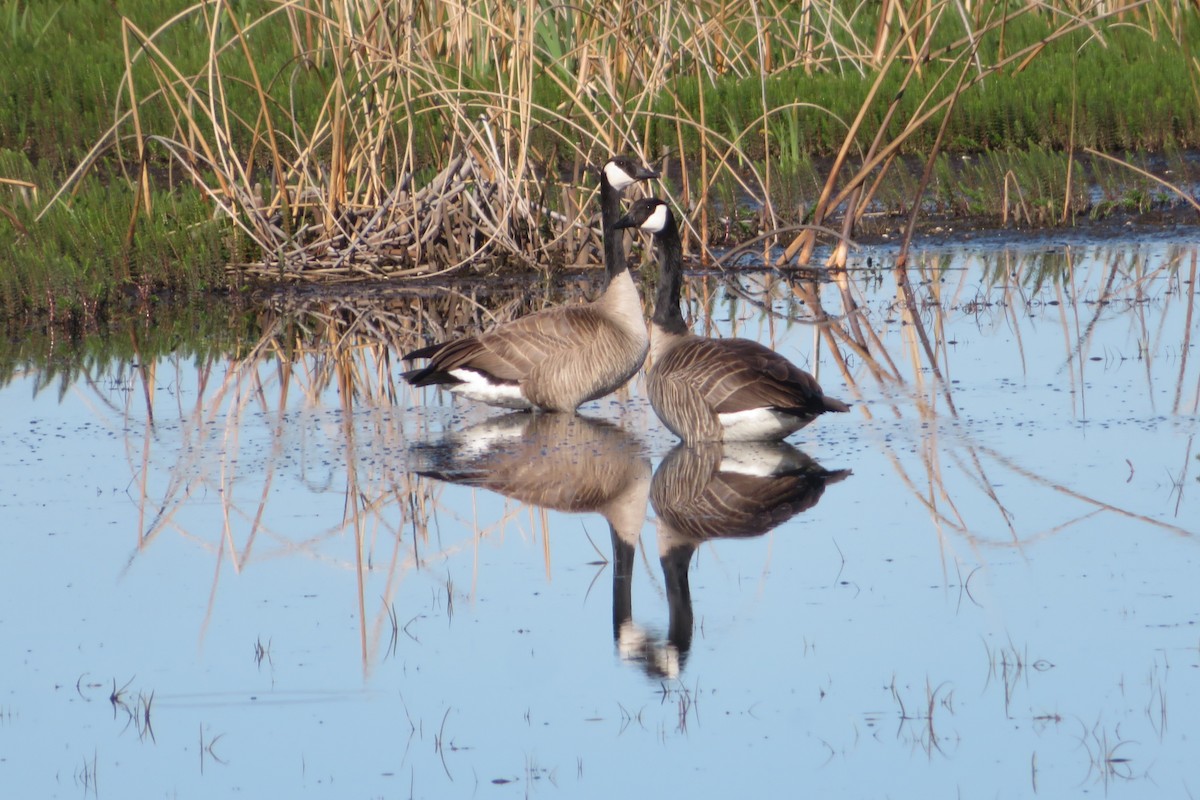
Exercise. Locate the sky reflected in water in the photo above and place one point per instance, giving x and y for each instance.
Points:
(303, 578)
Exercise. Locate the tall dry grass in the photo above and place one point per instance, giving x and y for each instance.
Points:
(443, 135)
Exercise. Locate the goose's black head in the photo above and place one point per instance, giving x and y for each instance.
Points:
(622, 172)
(649, 214)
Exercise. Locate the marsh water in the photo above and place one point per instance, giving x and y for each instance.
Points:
(279, 571)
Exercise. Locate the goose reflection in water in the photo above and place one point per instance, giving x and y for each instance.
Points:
(562, 462)
(699, 493)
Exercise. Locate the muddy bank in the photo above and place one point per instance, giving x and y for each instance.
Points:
(879, 236)
(492, 285)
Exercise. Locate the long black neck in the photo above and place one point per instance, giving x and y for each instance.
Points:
(670, 279)
(675, 565)
(614, 240)
(623, 561)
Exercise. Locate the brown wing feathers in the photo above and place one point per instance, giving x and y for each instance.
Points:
(559, 357)
(507, 354)
(739, 374)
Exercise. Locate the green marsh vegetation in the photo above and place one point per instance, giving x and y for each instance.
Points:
(185, 147)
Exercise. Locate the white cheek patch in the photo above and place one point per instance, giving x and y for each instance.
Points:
(635, 645)
(758, 425)
(657, 219)
(617, 177)
(476, 386)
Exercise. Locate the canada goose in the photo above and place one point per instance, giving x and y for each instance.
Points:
(562, 462)
(733, 490)
(711, 491)
(557, 358)
(708, 390)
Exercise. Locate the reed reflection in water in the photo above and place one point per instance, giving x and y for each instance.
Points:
(1010, 572)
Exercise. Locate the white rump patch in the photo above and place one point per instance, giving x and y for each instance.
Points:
(758, 425)
(501, 432)
(756, 459)
(476, 386)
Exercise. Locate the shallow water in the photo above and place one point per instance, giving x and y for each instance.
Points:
(255, 592)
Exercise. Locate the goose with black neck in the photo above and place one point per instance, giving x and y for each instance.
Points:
(557, 358)
(712, 390)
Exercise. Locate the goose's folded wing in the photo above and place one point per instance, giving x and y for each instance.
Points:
(700, 495)
(739, 374)
(511, 351)
(550, 334)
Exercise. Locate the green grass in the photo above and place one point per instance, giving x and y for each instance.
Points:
(1136, 94)
(84, 257)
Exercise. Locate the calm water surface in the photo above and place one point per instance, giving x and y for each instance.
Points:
(297, 577)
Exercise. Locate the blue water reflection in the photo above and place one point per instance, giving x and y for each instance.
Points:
(273, 575)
